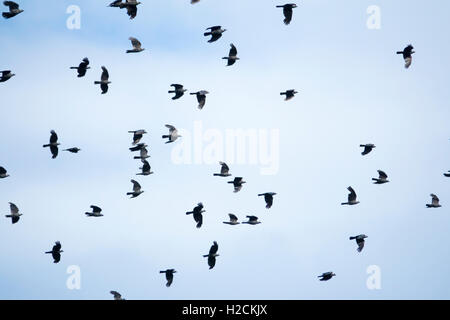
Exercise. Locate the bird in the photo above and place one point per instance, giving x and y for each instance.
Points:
(289, 94)
(6, 75)
(197, 213)
(130, 5)
(215, 33)
(382, 178)
(137, 46)
(169, 276)
(104, 80)
(73, 150)
(3, 173)
(82, 67)
(146, 169)
(232, 56)
(96, 212)
(252, 220)
(53, 144)
(224, 170)
(287, 12)
(326, 276)
(56, 252)
(359, 241)
(15, 215)
(447, 174)
(367, 148)
(117, 296)
(351, 197)
(201, 98)
(143, 154)
(212, 255)
(407, 55)
(138, 147)
(137, 135)
(178, 90)
(434, 202)
(13, 9)
(233, 220)
(136, 189)
(173, 134)
(237, 182)
(268, 197)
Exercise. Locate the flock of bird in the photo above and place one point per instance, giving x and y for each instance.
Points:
(178, 90)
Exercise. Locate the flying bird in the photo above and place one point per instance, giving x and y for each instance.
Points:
(287, 12)
(233, 220)
(367, 148)
(359, 241)
(53, 144)
(351, 197)
(104, 80)
(197, 214)
(15, 215)
(117, 296)
(173, 134)
(82, 67)
(146, 169)
(3, 173)
(178, 90)
(56, 252)
(289, 94)
(447, 174)
(215, 33)
(201, 98)
(224, 170)
(137, 46)
(96, 212)
(212, 255)
(434, 202)
(13, 9)
(326, 276)
(6, 75)
(252, 220)
(136, 189)
(382, 178)
(73, 150)
(137, 135)
(169, 276)
(237, 182)
(407, 55)
(268, 197)
(232, 56)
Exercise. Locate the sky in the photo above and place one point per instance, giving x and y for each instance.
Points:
(353, 89)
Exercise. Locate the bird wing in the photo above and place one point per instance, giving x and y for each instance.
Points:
(54, 150)
(171, 128)
(214, 28)
(96, 209)
(116, 295)
(136, 185)
(5, 73)
(11, 5)
(177, 86)
(214, 248)
(382, 174)
(233, 51)
(233, 218)
(105, 74)
(13, 208)
(146, 166)
(215, 36)
(2, 170)
(434, 199)
(53, 137)
(132, 11)
(224, 169)
(352, 194)
(287, 11)
(135, 43)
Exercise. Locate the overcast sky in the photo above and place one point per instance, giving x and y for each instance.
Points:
(353, 89)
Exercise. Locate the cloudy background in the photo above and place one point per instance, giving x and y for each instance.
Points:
(352, 87)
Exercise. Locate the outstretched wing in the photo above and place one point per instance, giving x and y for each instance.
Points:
(135, 43)
(13, 208)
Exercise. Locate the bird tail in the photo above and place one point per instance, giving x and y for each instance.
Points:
(352, 238)
(399, 52)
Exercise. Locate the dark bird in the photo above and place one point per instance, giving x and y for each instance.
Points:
(201, 98)
(326, 276)
(351, 197)
(287, 12)
(407, 55)
(232, 56)
(268, 197)
(117, 296)
(104, 81)
(3, 173)
(224, 170)
(173, 134)
(137, 135)
(53, 144)
(13, 9)
(359, 241)
(56, 252)
(146, 169)
(136, 189)
(382, 178)
(447, 174)
(96, 212)
(73, 150)
(237, 182)
(289, 94)
(138, 147)
(367, 148)
(137, 46)
(212, 255)
(15, 215)
(215, 33)
(169, 276)
(178, 90)
(233, 220)
(252, 220)
(197, 213)
(6, 75)
(434, 202)
(82, 67)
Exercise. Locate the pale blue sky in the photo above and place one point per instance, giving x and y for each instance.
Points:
(352, 89)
